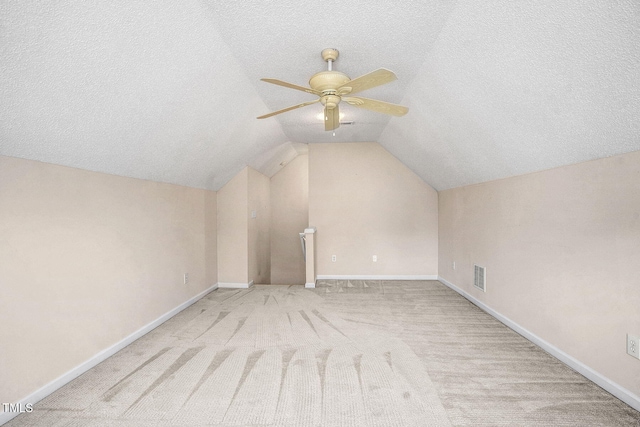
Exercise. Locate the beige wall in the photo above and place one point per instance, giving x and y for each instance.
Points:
(243, 241)
(233, 232)
(289, 216)
(86, 259)
(259, 251)
(562, 253)
(364, 202)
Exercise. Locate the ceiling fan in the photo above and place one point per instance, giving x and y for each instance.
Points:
(332, 87)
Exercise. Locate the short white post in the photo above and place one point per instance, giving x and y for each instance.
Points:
(310, 242)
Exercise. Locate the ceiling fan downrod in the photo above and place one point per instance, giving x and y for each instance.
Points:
(330, 55)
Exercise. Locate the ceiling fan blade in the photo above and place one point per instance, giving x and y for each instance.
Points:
(292, 86)
(331, 118)
(377, 106)
(373, 79)
(284, 110)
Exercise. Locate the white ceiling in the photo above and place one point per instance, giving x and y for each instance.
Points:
(169, 91)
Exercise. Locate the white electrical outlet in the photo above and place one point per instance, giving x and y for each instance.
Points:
(454, 265)
(633, 346)
(186, 278)
(375, 258)
(333, 258)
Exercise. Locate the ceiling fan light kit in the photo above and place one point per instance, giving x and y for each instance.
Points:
(331, 86)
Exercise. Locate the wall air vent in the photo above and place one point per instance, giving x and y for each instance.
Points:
(480, 278)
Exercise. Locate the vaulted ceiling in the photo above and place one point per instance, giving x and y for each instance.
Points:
(170, 91)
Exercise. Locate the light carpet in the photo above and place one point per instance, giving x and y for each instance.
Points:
(348, 353)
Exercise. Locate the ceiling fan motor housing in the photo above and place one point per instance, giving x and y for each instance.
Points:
(328, 80)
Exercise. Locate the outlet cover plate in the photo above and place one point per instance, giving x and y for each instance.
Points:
(633, 346)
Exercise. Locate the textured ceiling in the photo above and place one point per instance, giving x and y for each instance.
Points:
(169, 91)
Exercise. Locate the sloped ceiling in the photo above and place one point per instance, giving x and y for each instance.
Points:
(169, 91)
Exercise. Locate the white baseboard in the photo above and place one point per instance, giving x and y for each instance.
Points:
(615, 389)
(377, 277)
(235, 285)
(54, 385)
(310, 285)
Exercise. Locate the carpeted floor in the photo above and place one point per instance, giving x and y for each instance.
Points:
(348, 353)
